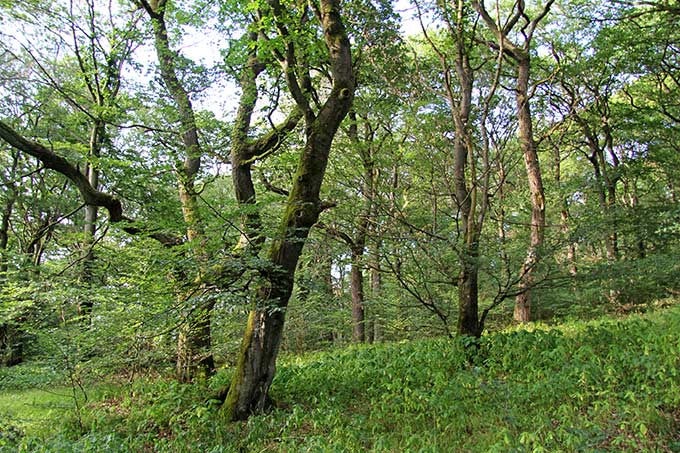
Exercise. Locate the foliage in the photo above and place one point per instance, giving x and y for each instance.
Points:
(82, 308)
(608, 384)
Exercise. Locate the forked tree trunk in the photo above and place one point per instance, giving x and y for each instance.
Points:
(249, 389)
(248, 392)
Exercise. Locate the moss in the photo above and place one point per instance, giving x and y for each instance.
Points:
(230, 410)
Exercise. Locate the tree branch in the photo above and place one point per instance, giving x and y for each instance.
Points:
(90, 195)
(57, 163)
(270, 142)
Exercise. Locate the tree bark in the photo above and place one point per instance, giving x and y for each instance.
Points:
(520, 54)
(605, 186)
(357, 292)
(194, 340)
(90, 228)
(466, 198)
(522, 311)
(11, 347)
(248, 392)
(464, 180)
(194, 356)
(564, 213)
(358, 244)
(376, 289)
(7, 211)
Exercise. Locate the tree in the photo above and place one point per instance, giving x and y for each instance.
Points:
(471, 192)
(520, 54)
(193, 349)
(255, 369)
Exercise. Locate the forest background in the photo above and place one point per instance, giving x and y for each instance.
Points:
(324, 174)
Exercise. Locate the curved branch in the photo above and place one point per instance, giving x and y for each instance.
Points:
(90, 195)
(57, 163)
(270, 142)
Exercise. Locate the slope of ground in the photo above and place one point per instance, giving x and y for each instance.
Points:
(606, 385)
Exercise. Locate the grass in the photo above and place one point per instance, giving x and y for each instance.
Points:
(34, 411)
(31, 402)
(606, 385)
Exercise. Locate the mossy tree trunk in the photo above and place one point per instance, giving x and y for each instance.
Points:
(194, 342)
(248, 392)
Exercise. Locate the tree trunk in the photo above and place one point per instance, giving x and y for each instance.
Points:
(7, 215)
(571, 248)
(194, 356)
(468, 310)
(465, 184)
(256, 364)
(11, 349)
(609, 205)
(633, 201)
(564, 213)
(523, 301)
(11, 345)
(376, 286)
(520, 54)
(248, 392)
(357, 291)
(361, 331)
(195, 336)
(605, 183)
(90, 228)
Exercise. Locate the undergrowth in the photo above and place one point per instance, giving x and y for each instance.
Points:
(607, 385)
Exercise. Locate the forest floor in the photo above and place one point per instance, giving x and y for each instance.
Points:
(611, 384)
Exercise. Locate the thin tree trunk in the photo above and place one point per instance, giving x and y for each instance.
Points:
(605, 195)
(194, 341)
(520, 54)
(571, 248)
(633, 201)
(7, 215)
(564, 213)
(90, 228)
(465, 186)
(11, 350)
(360, 333)
(376, 286)
(357, 292)
(522, 311)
